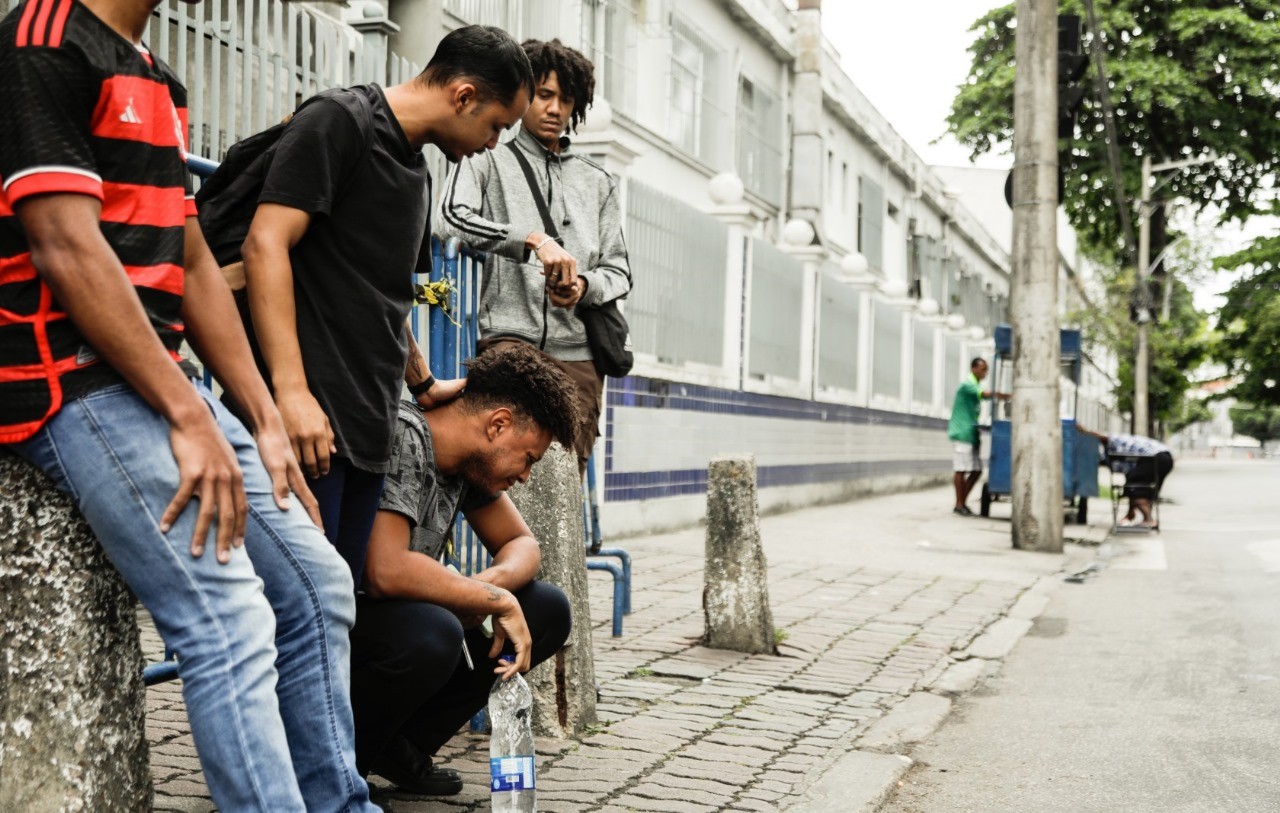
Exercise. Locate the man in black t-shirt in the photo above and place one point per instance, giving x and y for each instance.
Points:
(331, 253)
(411, 685)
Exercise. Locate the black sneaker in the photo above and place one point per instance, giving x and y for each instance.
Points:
(962, 511)
(412, 771)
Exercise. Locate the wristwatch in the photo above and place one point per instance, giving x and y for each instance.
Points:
(423, 387)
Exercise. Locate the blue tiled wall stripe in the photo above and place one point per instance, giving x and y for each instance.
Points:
(638, 392)
(648, 485)
(653, 393)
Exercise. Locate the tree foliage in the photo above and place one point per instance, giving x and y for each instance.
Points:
(1178, 346)
(1262, 423)
(1193, 411)
(1187, 77)
(1249, 322)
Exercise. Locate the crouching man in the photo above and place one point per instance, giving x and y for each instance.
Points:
(412, 686)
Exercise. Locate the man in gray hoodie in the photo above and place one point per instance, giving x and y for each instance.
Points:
(532, 281)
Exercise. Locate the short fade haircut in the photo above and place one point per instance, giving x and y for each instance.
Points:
(574, 72)
(527, 382)
(486, 55)
(976, 361)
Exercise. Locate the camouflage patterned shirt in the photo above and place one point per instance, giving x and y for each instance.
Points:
(416, 489)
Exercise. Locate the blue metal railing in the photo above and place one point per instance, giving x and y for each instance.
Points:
(452, 334)
(621, 571)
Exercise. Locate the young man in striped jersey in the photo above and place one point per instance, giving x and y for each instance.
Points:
(103, 273)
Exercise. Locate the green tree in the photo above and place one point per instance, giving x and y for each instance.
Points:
(1262, 423)
(1194, 411)
(1249, 322)
(1187, 77)
(1178, 346)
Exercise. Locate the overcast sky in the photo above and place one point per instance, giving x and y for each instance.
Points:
(908, 57)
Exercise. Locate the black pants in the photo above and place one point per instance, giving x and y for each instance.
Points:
(1146, 473)
(408, 675)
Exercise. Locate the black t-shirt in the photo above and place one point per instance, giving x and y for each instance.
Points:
(353, 270)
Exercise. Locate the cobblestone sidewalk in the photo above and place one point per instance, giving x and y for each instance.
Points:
(685, 729)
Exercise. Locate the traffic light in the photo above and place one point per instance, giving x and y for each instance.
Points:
(1072, 66)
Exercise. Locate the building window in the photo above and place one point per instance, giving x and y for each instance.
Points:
(871, 222)
(687, 69)
(609, 40)
(759, 144)
(844, 186)
(696, 116)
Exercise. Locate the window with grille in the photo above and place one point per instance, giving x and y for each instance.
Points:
(608, 38)
(696, 117)
(759, 143)
(871, 222)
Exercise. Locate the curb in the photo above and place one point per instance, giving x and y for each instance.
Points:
(857, 782)
(906, 724)
(861, 781)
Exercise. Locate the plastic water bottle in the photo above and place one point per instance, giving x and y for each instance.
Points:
(511, 746)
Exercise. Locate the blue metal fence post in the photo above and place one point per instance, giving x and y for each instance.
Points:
(435, 319)
(450, 369)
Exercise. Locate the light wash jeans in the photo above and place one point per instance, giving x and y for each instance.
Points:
(262, 641)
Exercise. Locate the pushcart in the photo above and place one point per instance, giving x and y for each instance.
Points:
(1140, 472)
(1079, 452)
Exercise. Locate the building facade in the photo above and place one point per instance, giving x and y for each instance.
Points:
(807, 289)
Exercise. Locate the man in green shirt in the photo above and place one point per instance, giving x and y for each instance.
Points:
(963, 432)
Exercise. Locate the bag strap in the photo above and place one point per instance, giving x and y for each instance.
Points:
(548, 224)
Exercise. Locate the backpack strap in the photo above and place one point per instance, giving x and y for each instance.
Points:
(358, 106)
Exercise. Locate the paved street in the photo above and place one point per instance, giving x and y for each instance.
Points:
(1152, 687)
(874, 600)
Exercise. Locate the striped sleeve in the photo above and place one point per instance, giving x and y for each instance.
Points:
(460, 208)
(46, 106)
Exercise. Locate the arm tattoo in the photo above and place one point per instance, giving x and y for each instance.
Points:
(494, 593)
(416, 370)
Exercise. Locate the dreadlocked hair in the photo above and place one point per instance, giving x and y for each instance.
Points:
(524, 380)
(574, 71)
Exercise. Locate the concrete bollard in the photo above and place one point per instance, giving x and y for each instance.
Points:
(735, 599)
(564, 687)
(72, 703)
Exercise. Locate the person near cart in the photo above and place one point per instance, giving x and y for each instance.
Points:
(1145, 463)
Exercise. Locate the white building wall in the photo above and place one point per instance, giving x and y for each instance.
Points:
(860, 403)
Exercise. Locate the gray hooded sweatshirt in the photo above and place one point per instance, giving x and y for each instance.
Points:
(487, 204)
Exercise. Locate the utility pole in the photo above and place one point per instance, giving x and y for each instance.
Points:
(1037, 428)
(1146, 305)
(1142, 357)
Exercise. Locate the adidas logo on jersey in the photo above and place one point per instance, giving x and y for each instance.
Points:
(130, 116)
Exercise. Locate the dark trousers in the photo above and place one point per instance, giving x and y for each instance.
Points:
(349, 499)
(408, 675)
(1146, 472)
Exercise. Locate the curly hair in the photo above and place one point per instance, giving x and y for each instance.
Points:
(574, 71)
(528, 383)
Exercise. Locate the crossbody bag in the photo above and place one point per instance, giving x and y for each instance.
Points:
(608, 335)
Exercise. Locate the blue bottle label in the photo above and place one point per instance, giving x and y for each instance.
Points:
(511, 773)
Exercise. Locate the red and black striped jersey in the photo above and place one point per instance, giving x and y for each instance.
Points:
(84, 111)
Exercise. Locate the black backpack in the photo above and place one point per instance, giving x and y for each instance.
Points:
(229, 197)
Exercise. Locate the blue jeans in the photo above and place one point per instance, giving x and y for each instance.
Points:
(348, 498)
(262, 641)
